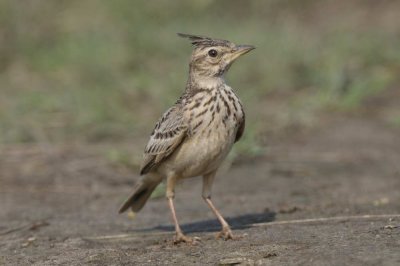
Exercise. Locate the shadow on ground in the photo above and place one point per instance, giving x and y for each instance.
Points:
(212, 225)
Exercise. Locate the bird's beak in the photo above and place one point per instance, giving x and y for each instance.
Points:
(241, 50)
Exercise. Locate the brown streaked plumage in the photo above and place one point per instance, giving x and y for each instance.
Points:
(194, 136)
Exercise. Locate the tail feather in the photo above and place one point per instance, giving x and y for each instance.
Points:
(139, 197)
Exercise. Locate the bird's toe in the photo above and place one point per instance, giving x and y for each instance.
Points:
(226, 234)
(181, 238)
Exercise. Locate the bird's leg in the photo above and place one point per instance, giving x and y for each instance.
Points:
(179, 236)
(226, 232)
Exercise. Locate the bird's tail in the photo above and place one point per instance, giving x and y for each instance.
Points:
(141, 193)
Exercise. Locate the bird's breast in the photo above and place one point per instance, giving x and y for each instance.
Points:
(213, 119)
(216, 112)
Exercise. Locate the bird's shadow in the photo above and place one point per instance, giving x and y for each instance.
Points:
(213, 225)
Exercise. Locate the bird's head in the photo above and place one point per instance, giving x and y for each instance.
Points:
(213, 57)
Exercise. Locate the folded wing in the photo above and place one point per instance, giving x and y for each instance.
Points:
(167, 135)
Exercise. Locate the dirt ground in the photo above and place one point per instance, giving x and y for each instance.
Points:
(329, 196)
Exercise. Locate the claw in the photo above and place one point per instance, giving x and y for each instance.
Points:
(179, 238)
(226, 234)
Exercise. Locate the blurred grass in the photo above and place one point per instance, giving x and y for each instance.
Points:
(96, 71)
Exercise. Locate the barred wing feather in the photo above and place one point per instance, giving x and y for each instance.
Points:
(167, 135)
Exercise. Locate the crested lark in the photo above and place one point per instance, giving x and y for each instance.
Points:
(194, 136)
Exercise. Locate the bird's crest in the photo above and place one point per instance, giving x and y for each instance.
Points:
(198, 40)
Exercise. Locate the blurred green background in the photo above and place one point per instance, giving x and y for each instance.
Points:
(104, 71)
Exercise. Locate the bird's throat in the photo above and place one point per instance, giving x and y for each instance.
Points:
(205, 82)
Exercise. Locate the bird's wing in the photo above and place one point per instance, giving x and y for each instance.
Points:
(168, 133)
(240, 130)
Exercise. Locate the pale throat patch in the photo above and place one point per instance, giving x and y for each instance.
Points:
(210, 83)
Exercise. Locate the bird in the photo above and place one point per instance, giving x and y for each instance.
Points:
(194, 136)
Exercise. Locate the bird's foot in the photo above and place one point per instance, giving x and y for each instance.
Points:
(180, 237)
(226, 234)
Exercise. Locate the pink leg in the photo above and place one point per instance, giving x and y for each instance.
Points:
(179, 237)
(226, 232)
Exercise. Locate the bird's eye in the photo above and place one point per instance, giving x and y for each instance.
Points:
(212, 53)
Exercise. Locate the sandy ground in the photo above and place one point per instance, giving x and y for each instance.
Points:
(59, 205)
